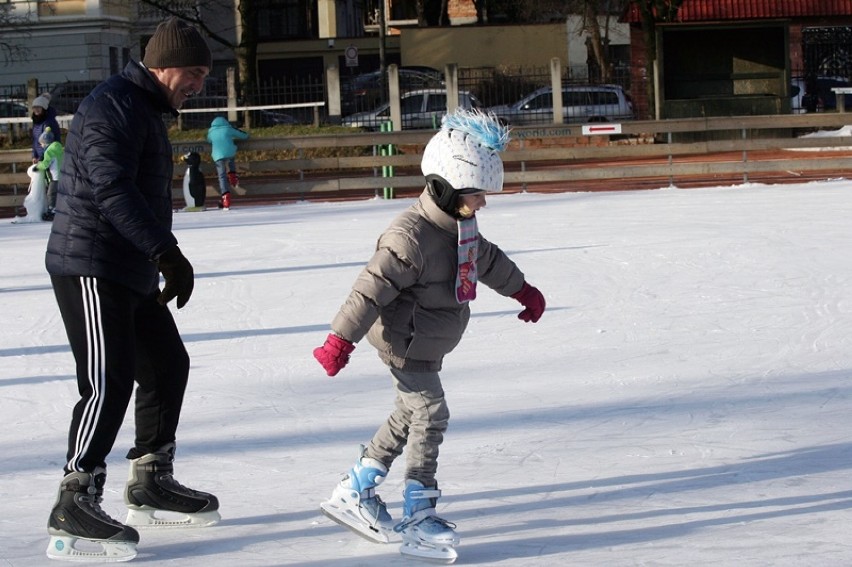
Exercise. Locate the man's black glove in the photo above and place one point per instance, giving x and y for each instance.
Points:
(180, 278)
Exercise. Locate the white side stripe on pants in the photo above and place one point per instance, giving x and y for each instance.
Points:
(96, 369)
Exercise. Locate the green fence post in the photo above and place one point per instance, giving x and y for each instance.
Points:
(387, 150)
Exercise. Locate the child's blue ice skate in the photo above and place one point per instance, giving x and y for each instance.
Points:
(354, 503)
(425, 535)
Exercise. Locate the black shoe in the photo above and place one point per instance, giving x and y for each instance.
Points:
(78, 514)
(152, 487)
(48, 216)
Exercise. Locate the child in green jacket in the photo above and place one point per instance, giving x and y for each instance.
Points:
(50, 164)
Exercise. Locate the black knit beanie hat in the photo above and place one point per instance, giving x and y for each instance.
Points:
(176, 44)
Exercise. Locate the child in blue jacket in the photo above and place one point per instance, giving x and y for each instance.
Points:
(221, 136)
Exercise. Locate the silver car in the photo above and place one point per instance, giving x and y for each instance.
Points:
(421, 108)
(580, 104)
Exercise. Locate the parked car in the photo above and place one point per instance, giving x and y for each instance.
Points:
(13, 108)
(580, 103)
(803, 101)
(66, 97)
(366, 91)
(421, 108)
(277, 118)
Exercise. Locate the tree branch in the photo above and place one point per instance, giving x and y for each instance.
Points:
(175, 9)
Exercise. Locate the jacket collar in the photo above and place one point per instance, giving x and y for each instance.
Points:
(435, 215)
(140, 76)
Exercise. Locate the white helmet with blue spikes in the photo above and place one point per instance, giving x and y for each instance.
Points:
(463, 157)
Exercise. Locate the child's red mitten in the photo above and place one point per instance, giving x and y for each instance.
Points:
(533, 300)
(333, 354)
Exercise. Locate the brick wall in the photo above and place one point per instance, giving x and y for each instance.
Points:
(461, 9)
(797, 60)
(642, 106)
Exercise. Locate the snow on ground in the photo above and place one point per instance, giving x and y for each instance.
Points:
(843, 131)
(685, 400)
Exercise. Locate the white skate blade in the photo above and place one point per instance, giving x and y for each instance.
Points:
(147, 517)
(350, 520)
(70, 548)
(444, 555)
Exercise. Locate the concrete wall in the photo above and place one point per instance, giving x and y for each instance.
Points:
(491, 46)
(331, 51)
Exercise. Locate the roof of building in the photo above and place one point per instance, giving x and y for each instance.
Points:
(716, 10)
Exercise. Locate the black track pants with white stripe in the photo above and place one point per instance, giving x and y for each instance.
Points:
(119, 337)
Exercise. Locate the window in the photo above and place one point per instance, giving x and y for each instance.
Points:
(436, 102)
(411, 104)
(544, 100)
(61, 7)
(279, 19)
(604, 97)
(575, 98)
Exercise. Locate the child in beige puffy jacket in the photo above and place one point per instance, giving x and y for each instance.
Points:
(411, 301)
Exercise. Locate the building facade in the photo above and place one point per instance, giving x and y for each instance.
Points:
(89, 40)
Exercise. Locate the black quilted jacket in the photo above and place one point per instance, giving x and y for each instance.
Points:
(114, 202)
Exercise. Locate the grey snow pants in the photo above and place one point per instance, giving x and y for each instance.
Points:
(418, 422)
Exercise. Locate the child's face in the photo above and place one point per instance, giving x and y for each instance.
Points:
(469, 204)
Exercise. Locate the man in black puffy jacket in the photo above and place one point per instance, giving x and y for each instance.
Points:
(110, 241)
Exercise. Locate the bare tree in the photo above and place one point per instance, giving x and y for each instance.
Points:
(20, 25)
(420, 6)
(191, 12)
(591, 25)
(653, 12)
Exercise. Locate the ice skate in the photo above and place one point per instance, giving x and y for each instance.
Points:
(424, 535)
(354, 503)
(225, 202)
(156, 500)
(80, 530)
(234, 181)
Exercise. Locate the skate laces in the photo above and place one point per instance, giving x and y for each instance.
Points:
(425, 519)
(164, 476)
(169, 481)
(93, 501)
